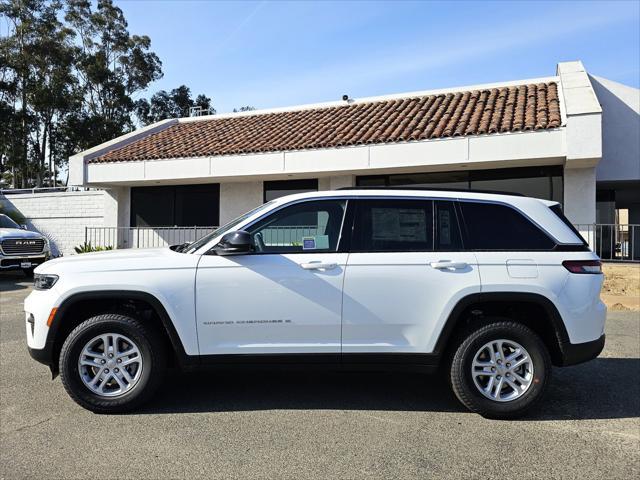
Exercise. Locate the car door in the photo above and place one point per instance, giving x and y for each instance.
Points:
(285, 296)
(406, 271)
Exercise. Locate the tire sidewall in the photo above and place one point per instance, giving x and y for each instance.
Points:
(71, 353)
(541, 367)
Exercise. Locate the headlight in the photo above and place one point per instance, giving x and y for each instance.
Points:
(43, 281)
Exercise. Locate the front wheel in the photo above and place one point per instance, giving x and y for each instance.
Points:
(500, 370)
(112, 363)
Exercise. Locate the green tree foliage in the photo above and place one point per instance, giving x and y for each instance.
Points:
(37, 84)
(68, 72)
(248, 108)
(174, 104)
(112, 66)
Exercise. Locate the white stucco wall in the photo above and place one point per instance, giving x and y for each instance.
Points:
(61, 216)
(583, 116)
(335, 182)
(237, 198)
(580, 196)
(620, 130)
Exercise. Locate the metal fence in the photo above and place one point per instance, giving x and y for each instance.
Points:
(613, 241)
(143, 237)
(288, 236)
(152, 237)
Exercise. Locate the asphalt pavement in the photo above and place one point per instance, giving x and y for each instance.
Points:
(318, 425)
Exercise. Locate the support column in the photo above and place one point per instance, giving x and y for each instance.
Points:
(117, 215)
(580, 200)
(237, 198)
(634, 231)
(335, 182)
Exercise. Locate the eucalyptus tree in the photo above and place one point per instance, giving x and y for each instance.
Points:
(112, 66)
(174, 104)
(36, 85)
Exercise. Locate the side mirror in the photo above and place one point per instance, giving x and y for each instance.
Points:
(23, 227)
(234, 243)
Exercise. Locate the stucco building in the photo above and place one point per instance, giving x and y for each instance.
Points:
(570, 137)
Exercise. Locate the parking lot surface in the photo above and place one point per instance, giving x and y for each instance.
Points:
(318, 425)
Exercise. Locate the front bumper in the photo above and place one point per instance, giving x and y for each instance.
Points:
(574, 353)
(16, 262)
(43, 355)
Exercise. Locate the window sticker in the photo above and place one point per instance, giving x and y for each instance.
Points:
(322, 242)
(399, 224)
(308, 243)
(445, 227)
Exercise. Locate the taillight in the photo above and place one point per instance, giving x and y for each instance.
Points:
(583, 266)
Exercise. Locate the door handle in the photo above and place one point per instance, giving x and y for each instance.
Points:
(318, 266)
(445, 264)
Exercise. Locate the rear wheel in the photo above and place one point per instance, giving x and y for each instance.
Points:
(500, 369)
(112, 363)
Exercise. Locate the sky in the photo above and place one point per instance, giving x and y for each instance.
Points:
(275, 54)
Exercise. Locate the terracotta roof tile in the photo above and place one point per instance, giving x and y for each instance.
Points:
(477, 112)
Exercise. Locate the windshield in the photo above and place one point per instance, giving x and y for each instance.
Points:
(6, 222)
(225, 228)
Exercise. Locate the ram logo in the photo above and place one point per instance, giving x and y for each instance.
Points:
(26, 242)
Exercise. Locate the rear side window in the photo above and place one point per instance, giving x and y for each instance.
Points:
(393, 226)
(499, 227)
(558, 211)
(446, 228)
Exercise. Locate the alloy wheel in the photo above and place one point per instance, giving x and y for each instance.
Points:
(502, 370)
(110, 364)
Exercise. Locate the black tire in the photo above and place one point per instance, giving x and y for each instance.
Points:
(461, 369)
(152, 349)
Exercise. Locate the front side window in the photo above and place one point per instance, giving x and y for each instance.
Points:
(225, 228)
(393, 226)
(500, 227)
(306, 227)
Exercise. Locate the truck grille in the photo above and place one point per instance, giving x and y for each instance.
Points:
(22, 246)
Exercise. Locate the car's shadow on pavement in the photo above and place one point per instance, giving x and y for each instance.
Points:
(12, 280)
(601, 389)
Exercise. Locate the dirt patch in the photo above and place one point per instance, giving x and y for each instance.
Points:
(621, 289)
(619, 307)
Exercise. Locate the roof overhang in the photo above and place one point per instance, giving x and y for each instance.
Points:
(546, 147)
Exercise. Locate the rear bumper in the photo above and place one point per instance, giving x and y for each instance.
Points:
(574, 353)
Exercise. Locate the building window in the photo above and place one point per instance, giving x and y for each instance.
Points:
(539, 182)
(280, 188)
(182, 206)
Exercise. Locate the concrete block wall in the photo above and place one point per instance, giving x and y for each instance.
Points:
(60, 216)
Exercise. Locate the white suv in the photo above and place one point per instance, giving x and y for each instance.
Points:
(495, 288)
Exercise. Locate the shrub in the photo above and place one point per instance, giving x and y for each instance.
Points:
(86, 247)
